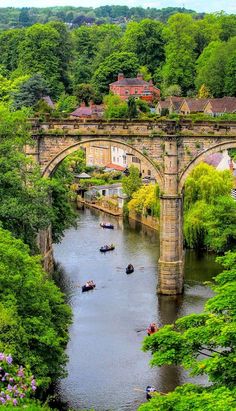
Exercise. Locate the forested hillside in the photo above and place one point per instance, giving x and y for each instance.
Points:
(61, 61)
(11, 17)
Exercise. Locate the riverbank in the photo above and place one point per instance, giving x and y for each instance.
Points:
(148, 221)
(99, 207)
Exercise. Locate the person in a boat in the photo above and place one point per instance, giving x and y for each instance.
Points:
(149, 391)
(152, 329)
(130, 267)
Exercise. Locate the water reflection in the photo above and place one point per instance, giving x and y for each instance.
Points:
(107, 369)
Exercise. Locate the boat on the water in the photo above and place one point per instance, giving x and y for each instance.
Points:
(152, 329)
(107, 225)
(129, 269)
(149, 392)
(106, 248)
(90, 285)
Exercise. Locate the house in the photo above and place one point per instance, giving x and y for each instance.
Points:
(118, 156)
(114, 167)
(219, 106)
(98, 154)
(93, 111)
(192, 105)
(221, 161)
(134, 87)
(112, 190)
(169, 105)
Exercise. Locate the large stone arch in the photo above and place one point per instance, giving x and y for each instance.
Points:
(212, 150)
(53, 164)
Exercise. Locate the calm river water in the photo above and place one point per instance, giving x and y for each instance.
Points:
(107, 369)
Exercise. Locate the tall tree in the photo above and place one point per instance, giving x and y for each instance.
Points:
(39, 53)
(145, 39)
(179, 67)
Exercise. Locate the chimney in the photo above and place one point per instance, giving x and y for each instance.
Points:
(139, 76)
(83, 104)
(121, 76)
(91, 103)
(151, 82)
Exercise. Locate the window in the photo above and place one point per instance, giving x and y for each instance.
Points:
(114, 159)
(126, 91)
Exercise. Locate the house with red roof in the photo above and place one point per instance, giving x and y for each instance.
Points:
(134, 87)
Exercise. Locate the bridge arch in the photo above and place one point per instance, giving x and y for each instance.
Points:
(200, 157)
(53, 164)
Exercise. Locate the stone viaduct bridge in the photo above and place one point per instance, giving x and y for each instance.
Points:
(171, 150)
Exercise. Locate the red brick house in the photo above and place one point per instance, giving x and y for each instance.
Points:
(134, 87)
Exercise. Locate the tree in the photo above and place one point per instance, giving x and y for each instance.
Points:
(204, 92)
(216, 68)
(10, 41)
(66, 103)
(173, 90)
(39, 52)
(132, 108)
(108, 70)
(85, 92)
(115, 107)
(145, 39)
(132, 182)
(179, 66)
(25, 206)
(209, 210)
(24, 17)
(203, 343)
(30, 92)
(36, 324)
(145, 201)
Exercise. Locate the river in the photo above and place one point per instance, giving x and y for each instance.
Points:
(107, 370)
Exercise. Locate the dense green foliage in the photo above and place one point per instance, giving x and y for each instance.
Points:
(132, 182)
(34, 318)
(204, 344)
(145, 201)
(180, 55)
(25, 206)
(209, 210)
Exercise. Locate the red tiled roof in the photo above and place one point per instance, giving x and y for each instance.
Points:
(115, 167)
(164, 103)
(82, 111)
(93, 110)
(223, 105)
(196, 105)
(130, 82)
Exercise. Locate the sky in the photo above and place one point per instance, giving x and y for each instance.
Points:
(229, 6)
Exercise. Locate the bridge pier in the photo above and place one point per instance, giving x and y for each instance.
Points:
(171, 276)
(171, 265)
